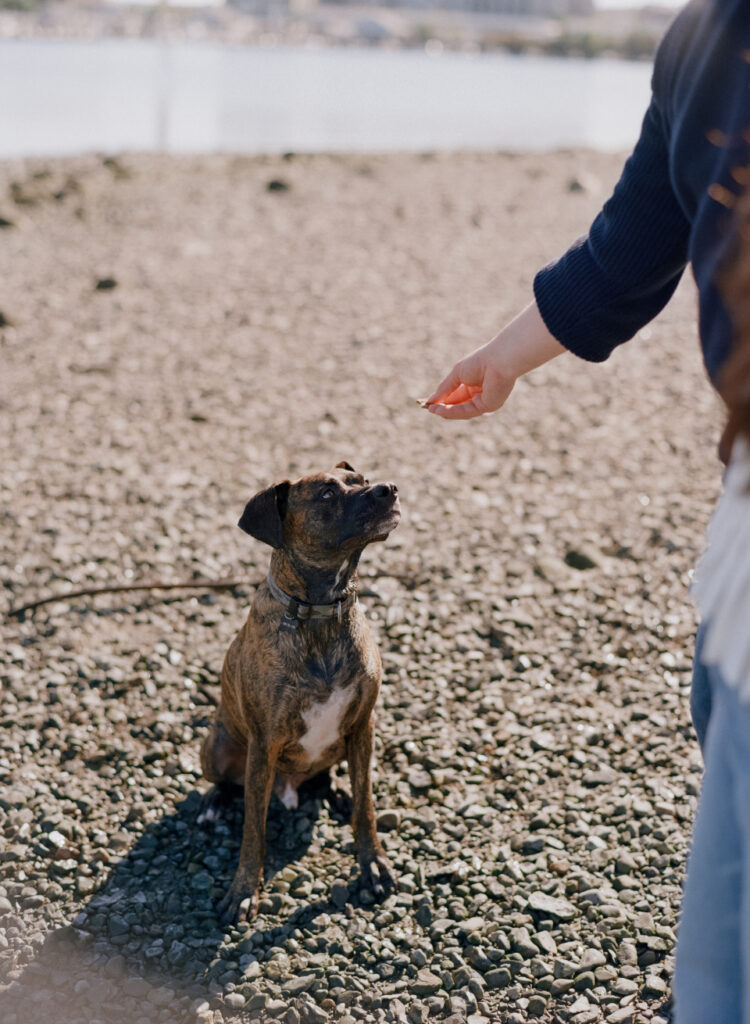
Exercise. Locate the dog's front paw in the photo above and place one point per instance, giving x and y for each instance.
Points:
(240, 903)
(376, 873)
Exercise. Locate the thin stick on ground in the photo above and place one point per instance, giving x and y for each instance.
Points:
(121, 588)
(199, 584)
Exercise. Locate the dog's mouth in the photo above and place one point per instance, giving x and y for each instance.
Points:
(374, 520)
(386, 522)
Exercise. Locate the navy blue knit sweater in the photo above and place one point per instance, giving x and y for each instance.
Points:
(672, 204)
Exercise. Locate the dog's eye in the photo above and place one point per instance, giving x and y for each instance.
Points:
(329, 492)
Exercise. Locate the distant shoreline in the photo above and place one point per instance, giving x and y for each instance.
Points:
(183, 96)
(625, 35)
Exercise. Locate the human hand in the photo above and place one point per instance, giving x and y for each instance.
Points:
(481, 382)
(475, 385)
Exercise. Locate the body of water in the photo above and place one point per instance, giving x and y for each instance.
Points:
(62, 97)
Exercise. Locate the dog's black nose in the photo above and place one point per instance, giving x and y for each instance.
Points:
(385, 490)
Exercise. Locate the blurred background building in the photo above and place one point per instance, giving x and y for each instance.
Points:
(532, 8)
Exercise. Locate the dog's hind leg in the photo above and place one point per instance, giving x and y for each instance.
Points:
(216, 802)
(223, 763)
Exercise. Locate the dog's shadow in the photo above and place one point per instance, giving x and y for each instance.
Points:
(154, 916)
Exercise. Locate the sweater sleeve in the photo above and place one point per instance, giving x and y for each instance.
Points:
(618, 277)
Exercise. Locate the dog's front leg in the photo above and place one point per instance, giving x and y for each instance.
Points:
(241, 900)
(373, 863)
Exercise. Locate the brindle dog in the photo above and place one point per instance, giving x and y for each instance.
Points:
(300, 680)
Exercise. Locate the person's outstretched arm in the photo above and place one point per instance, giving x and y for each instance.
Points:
(482, 381)
(597, 295)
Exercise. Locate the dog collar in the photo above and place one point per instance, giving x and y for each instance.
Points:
(300, 611)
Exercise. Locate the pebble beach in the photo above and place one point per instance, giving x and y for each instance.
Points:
(177, 333)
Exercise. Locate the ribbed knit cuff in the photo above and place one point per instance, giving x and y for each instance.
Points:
(571, 293)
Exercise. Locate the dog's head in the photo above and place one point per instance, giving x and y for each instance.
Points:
(324, 515)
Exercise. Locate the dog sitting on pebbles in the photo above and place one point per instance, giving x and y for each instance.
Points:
(300, 680)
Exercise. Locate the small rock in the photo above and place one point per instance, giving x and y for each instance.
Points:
(546, 943)
(564, 968)
(417, 1013)
(622, 1015)
(532, 845)
(423, 915)
(389, 820)
(419, 779)
(115, 966)
(581, 560)
(625, 864)
(498, 978)
(656, 943)
(627, 953)
(601, 777)
(552, 906)
(592, 958)
(312, 1014)
(536, 1006)
(339, 893)
(426, 983)
(162, 996)
(584, 982)
(471, 924)
(520, 941)
(590, 1016)
(624, 987)
(654, 987)
(295, 986)
(560, 986)
(274, 1007)
(235, 999)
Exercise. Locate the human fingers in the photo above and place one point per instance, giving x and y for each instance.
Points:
(446, 386)
(463, 393)
(464, 411)
(480, 400)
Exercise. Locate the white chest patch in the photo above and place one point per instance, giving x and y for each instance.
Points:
(323, 724)
(340, 575)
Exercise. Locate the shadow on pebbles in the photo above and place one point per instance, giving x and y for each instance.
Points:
(535, 769)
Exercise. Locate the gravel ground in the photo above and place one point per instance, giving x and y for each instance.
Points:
(180, 332)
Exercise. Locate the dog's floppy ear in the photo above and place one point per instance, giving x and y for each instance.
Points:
(345, 465)
(263, 517)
